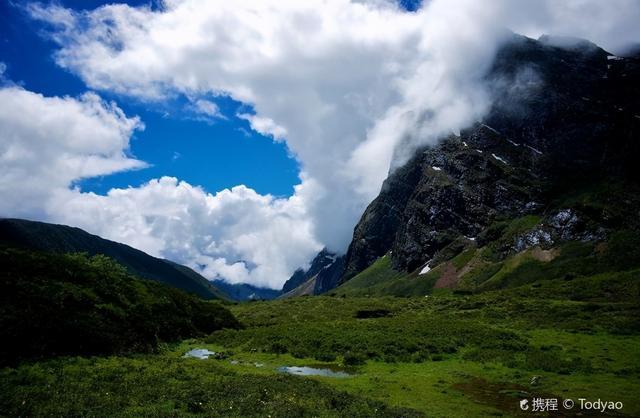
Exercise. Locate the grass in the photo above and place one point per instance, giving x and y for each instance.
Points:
(68, 304)
(169, 386)
(569, 318)
(380, 279)
(445, 355)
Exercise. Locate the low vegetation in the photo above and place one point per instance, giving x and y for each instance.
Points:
(557, 323)
(55, 304)
(165, 385)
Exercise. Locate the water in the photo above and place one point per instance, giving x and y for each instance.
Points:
(312, 371)
(201, 353)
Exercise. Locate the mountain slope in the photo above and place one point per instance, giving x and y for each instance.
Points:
(55, 304)
(47, 237)
(323, 274)
(244, 291)
(552, 162)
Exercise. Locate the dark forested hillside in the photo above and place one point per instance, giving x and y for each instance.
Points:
(66, 239)
(61, 304)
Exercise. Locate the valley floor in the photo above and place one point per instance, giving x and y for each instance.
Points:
(445, 355)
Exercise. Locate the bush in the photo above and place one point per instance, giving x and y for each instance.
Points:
(71, 304)
(354, 359)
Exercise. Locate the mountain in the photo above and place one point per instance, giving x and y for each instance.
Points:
(243, 291)
(548, 177)
(547, 180)
(323, 274)
(47, 237)
(54, 304)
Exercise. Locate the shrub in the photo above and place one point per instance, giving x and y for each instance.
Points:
(354, 359)
(71, 304)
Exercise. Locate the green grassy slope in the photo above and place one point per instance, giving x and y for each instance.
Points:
(55, 304)
(380, 279)
(445, 355)
(41, 236)
(479, 269)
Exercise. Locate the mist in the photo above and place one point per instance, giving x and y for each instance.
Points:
(352, 88)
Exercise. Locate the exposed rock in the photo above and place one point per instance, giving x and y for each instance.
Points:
(323, 274)
(536, 237)
(322, 260)
(546, 135)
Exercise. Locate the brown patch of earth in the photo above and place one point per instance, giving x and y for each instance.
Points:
(544, 255)
(448, 278)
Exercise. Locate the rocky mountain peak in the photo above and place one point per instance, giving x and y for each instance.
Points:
(564, 111)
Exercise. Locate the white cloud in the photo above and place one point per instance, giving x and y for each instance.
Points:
(344, 83)
(265, 126)
(48, 142)
(348, 85)
(235, 234)
(207, 108)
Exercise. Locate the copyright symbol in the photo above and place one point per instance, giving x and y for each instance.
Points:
(568, 403)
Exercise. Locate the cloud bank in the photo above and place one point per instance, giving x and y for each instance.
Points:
(46, 143)
(347, 85)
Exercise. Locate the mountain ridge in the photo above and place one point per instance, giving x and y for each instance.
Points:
(56, 238)
(562, 118)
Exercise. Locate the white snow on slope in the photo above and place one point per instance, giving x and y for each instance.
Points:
(499, 159)
(491, 129)
(533, 149)
(425, 269)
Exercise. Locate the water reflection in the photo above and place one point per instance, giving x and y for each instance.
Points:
(201, 353)
(312, 371)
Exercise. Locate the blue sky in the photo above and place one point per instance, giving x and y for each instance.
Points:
(216, 191)
(341, 84)
(214, 154)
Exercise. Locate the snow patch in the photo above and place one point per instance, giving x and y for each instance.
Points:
(436, 168)
(515, 144)
(491, 129)
(613, 57)
(480, 151)
(499, 159)
(465, 144)
(425, 269)
(533, 149)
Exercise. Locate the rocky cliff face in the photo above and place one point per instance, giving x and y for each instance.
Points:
(323, 274)
(561, 117)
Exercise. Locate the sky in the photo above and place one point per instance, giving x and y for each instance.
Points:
(240, 138)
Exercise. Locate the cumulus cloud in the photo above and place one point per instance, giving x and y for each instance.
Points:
(208, 108)
(327, 77)
(236, 234)
(265, 126)
(351, 86)
(344, 83)
(46, 143)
